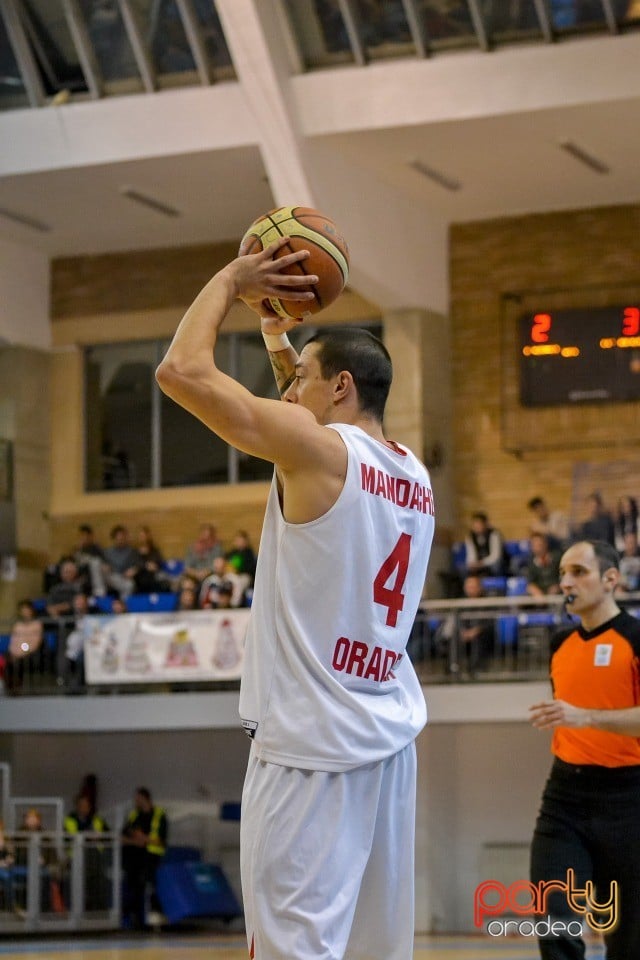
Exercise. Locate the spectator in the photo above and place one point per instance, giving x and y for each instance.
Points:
(630, 563)
(60, 596)
(599, 525)
(224, 576)
(144, 841)
(90, 560)
(466, 641)
(73, 671)
(198, 561)
(543, 574)
(121, 559)
(484, 548)
(148, 576)
(552, 523)
(188, 596)
(241, 556)
(24, 646)
(625, 520)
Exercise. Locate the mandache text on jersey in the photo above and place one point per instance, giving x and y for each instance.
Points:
(404, 493)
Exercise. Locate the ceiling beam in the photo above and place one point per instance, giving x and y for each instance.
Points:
(12, 15)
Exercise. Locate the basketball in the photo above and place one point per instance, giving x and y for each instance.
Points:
(310, 230)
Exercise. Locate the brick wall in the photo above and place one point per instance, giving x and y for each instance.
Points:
(579, 258)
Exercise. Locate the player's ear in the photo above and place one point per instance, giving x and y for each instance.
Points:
(611, 576)
(342, 386)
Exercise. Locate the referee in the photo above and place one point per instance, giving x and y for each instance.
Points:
(589, 820)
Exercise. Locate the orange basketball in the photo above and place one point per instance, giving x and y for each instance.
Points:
(310, 230)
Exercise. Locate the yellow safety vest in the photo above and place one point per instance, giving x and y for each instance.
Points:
(71, 824)
(155, 845)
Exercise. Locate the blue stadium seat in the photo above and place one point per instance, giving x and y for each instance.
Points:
(518, 553)
(458, 556)
(173, 567)
(103, 604)
(507, 630)
(494, 586)
(538, 619)
(5, 639)
(152, 602)
(516, 586)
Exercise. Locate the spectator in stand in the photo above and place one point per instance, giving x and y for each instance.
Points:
(198, 561)
(484, 548)
(475, 635)
(90, 560)
(73, 669)
(121, 559)
(630, 564)
(552, 523)
(599, 525)
(144, 841)
(224, 575)
(188, 596)
(625, 520)
(25, 643)
(60, 596)
(148, 577)
(543, 573)
(241, 556)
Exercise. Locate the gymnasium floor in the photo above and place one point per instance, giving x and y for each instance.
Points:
(211, 947)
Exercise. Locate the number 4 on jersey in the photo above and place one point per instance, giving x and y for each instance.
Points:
(395, 566)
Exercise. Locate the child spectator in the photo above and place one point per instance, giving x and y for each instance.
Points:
(543, 574)
(148, 576)
(24, 646)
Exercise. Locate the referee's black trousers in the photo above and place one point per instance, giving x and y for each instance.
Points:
(589, 821)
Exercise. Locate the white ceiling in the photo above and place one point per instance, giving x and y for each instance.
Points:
(506, 165)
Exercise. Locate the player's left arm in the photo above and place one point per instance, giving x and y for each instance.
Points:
(559, 713)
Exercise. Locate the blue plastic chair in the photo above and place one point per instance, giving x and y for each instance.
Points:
(152, 602)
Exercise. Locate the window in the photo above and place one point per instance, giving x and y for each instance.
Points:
(138, 438)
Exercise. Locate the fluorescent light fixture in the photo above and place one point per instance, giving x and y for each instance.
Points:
(442, 179)
(24, 221)
(136, 196)
(583, 157)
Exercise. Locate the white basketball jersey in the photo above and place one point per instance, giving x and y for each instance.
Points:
(327, 684)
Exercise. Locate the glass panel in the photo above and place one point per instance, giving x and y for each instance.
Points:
(191, 453)
(447, 22)
(53, 46)
(119, 380)
(511, 19)
(214, 38)
(109, 39)
(569, 14)
(165, 36)
(13, 95)
(320, 31)
(385, 30)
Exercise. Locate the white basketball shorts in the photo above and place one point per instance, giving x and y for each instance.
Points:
(327, 861)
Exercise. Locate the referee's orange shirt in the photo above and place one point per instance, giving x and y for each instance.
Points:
(598, 670)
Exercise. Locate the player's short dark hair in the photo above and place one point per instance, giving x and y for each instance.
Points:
(535, 502)
(144, 792)
(606, 555)
(365, 357)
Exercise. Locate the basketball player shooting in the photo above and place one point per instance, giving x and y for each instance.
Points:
(328, 695)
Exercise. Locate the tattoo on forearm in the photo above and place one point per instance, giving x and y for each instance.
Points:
(282, 371)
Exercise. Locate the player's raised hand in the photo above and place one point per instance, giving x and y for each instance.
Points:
(258, 276)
